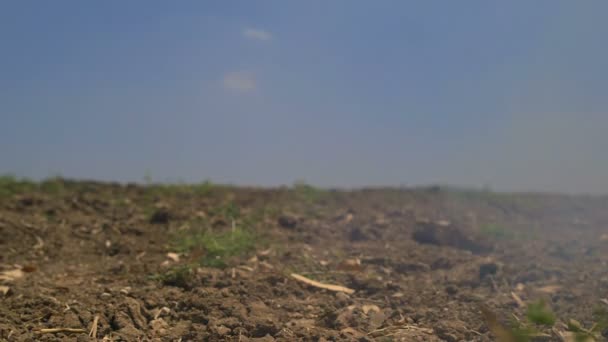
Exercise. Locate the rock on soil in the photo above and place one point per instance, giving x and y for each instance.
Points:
(445, 234)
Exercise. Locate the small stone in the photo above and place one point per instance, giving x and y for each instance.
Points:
(487, 269)
(27, 201)
(4, 290)
(266, 338)
(223, 331)
(136, 312)
(160, 216)
(342, 299)
(357, 234)
(173, 256)
(159, 326)
(287, 221)
(451, 331)
(451, 290)
(351, 334)
(376, 319)
(370, 308)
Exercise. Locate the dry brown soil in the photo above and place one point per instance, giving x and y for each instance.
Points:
(421, 263)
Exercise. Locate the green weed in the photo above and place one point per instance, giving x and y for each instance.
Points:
(496, 231)
(594, 333)
(179, 276)
(217, 248)
(505, 200)
(53, 186)
(11, 185)
(148, 177)
(538, 313)
(154, 191)
(203, 188)
(308, 193)
(229, 211)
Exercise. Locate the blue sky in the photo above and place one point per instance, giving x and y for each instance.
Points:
(510, 94)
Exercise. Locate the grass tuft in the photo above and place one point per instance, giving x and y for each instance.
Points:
(307, 192)
(180, 276)
(11, 185)
(53, 186)
(496, 231)
(217, 248)
(538, 313)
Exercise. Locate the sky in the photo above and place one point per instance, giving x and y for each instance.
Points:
(512, 94)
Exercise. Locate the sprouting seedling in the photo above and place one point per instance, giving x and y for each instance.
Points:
(516, 332)
(580, 333)
(538, 313)
(501, 333)
(594, 333)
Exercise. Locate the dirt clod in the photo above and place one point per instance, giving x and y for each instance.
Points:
(442, 234)
(160, 216)
(487, 269)
(287, 221)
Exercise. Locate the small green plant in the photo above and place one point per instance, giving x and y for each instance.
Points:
(179, 276)
(496, 231)
(53, 185)
(601, 316)
(229, 211)
(8, 182)
(510, 200)
(11, 185)
(581, 334)
(517, 331)
(203, 188)
(308, 193)
(539, 316)
(522, 332)
(148, 177)
(216, 248)
(538, 313)
(155, 191)
(594, 333)
(271, 211)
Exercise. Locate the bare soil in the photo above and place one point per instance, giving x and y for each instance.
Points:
(422, 262)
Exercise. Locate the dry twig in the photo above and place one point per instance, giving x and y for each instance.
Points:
(93, 332)
(518, 300)
(58, 330)
(330, 287)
